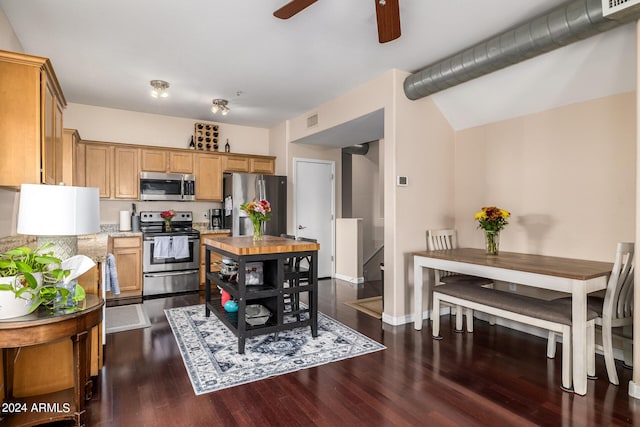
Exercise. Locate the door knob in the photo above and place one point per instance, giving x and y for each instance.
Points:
(301, 227)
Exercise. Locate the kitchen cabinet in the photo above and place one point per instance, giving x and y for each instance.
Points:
(112, 168)
(158, 160)
(152, 160)
(128, 255)
(250, 164)
(115, 168)
(180, 162)
(126, 176)
(235, 164)
(31, 116)
(208, 171)
(97, 167)
(79, 165)
(69, 152)
(215, 257)
(262, 165)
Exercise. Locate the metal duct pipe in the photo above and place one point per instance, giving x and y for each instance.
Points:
(566, 24)
(360, 149)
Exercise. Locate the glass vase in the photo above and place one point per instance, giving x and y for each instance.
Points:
(492, 242)
(257, 230)
(167, 226)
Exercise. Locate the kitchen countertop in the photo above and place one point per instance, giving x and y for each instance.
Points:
(93, 245)
(245, 245)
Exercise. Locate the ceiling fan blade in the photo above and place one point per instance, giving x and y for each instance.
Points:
(293, 7)
(388, 14)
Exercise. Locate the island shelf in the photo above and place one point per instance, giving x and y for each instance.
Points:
(276, 292)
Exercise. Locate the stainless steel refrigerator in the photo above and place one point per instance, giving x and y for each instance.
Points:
(239, 188)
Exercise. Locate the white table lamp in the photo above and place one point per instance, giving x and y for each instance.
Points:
(58, 214)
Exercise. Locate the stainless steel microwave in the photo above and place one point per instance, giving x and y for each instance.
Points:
(167, 186)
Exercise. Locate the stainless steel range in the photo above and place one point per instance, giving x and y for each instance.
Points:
(170, 260)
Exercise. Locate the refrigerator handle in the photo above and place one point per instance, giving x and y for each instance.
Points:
(260, 188)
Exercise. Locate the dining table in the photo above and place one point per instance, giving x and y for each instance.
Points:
(576, 277)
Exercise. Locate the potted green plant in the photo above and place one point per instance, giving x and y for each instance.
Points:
(30, 278)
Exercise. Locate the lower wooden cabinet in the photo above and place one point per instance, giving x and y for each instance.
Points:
(214, 256)
(128, 255)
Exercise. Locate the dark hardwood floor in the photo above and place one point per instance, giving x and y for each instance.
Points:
(492, 377)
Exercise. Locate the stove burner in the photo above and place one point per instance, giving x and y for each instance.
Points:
(152, 224)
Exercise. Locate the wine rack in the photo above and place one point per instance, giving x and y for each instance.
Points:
(206, 136)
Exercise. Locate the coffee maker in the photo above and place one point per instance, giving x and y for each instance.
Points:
(215, 219)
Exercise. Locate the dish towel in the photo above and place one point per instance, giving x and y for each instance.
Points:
(111, 276)
(162, 247)
(180, 247)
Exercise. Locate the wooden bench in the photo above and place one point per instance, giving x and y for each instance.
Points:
(550, 315)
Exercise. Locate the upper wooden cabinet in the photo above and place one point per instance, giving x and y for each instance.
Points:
(97, 167)
(208, 177)
(126, 176)
(31, 105)
(235, 164)
(153, 160)
(69, 154)
(251, 164)
(262, 165)
(159, 160)
(113, 168)
(180, 162)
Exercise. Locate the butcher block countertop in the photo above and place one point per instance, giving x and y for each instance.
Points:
(245, 245)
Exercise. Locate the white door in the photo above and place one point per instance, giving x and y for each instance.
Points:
(314, 210)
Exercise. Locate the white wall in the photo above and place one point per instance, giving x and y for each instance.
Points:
(8, 38)
(567, 175)
(418, 142)
(368, 197)
(129, 127)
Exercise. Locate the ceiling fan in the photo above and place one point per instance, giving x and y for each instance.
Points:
(387, 13)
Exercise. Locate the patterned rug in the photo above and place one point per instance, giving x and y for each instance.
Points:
(210, 350)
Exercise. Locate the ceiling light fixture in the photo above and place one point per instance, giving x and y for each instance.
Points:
(159, 88)
(220, 105)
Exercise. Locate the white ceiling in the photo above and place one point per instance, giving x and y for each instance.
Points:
(106, 52)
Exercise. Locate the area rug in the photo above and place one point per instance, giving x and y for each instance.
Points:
(125, 318)
(210, 350)
(371, 306)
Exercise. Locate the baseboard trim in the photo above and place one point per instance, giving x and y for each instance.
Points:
(349, 278)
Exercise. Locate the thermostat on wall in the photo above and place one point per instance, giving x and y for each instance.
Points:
(402, 181)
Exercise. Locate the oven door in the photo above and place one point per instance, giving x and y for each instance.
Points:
(170, 282)
(151, 264)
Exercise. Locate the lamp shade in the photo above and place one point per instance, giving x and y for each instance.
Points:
(58, 210)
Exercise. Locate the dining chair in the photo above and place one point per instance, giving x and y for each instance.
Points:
(444, 239)
(614, 309)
